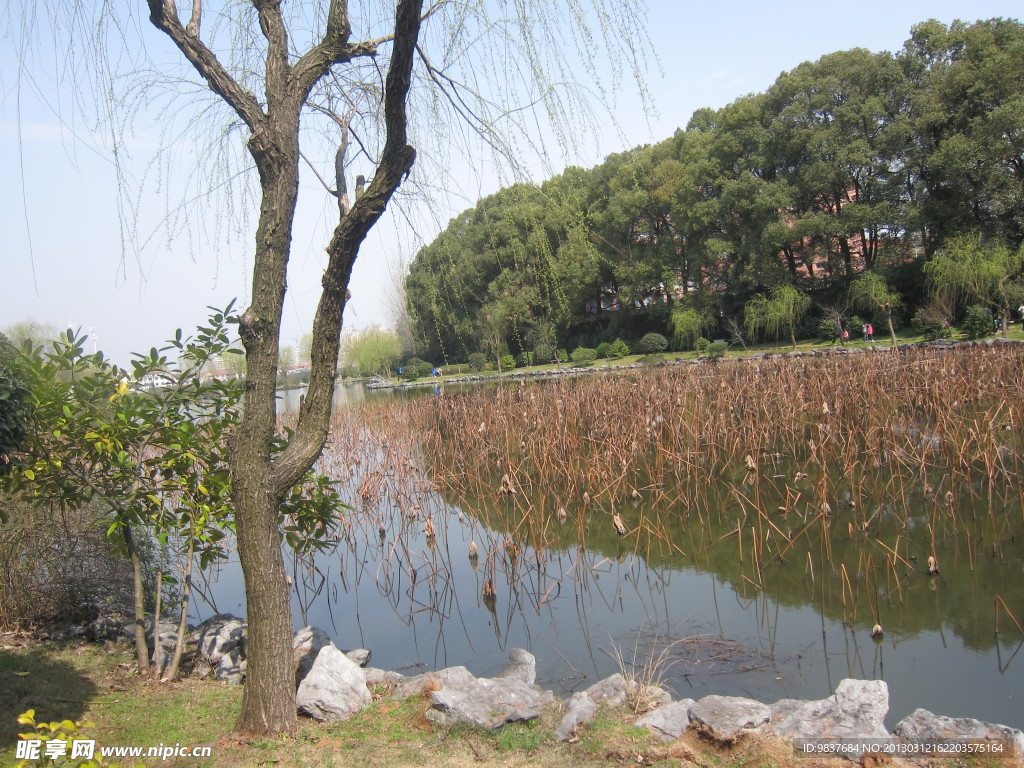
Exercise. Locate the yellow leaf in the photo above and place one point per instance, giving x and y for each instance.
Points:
(68, 726)
(21, 674)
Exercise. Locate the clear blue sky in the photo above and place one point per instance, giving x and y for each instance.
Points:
(71, 267)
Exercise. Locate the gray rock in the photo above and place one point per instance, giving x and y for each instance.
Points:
(442, 678)
(360, 656)
(923, 725)
(219, 635)
(579, 710)
(727, 718)
(856, 710)
(611, 690)
(489, 703)
(120, 629)
(669, 721)
(647, 694)
(222, 641)
(306, 644)
(521, 665)
(168, 635)
(334, 689)
(376, 676)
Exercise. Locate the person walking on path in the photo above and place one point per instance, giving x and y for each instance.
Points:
(864, 330)
(870, 332)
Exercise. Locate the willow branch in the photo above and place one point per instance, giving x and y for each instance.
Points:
(164, 16)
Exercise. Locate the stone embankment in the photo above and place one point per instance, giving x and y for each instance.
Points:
(333, 685)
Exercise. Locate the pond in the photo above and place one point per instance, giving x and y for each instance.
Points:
(755, 560)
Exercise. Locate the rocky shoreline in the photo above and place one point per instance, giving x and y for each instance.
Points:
(333, 685)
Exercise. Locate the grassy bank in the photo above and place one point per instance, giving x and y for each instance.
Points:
(95, 683)
(904, 336)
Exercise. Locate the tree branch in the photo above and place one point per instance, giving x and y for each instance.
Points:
(164, 16)
(333, 48)
(395, 163)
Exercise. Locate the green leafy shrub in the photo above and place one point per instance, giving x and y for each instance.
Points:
(825, 329)
(13, 404)
(524, 359)
(702, 346)
(584, 356)
(507, 362)
(602, 350)
(617, 349)
(543, 352)
(64, 735)
(717, 349)
(652, 343)
(977, 323)
(930, 324)
(477, 361)
(416, 368)
(563, 356)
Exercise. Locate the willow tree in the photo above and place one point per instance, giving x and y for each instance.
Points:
(340, 86)
(971, 269)
(780, 311)
(871, 292)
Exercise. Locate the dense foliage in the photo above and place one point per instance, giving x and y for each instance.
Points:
(13, 394)
(857, 164)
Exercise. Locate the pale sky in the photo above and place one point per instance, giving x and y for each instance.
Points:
(61, 237)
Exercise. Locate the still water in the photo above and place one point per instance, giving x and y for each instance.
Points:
(792, 630)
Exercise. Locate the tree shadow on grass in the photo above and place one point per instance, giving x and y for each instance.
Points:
(34, 679)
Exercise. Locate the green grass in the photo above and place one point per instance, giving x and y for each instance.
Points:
(525, 737)
(84, 682)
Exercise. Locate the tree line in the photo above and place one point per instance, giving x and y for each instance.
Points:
(857, 164)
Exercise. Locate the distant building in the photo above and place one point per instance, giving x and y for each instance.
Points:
(157, 380)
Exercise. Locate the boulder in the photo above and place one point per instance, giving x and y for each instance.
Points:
(306, 644)
(726, 719)
(334, 689)
(670, 721)
(647, 695)
(925, 726)
(360, 656)
(856, 711)
(442, 678)
(120, 629)
(375, 677)
(521, 665)
(168, 635)
(579, 710)
(489, 703)
(612, 690)
(222, 641)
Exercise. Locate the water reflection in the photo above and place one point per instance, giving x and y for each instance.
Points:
(720, 618)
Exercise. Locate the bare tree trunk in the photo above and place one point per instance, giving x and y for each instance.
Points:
(158, 656)
(260, 480)
(179, 645)
(268, 704)
(138, 590)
